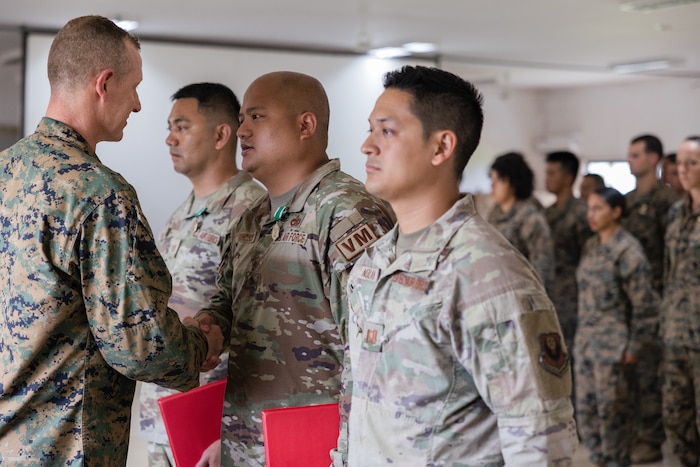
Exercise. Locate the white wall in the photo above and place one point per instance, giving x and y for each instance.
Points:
(352, 83)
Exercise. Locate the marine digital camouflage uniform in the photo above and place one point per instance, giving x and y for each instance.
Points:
(527, 230)
(456, 353)
(618, 312)
(680, 332)
(646, 219)
(191, 244)
(570, 230)
(281, 300)
(84, 310)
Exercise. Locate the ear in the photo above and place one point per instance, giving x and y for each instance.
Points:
(222, 135)
(103, 78)
(307, 124)
(445, 143)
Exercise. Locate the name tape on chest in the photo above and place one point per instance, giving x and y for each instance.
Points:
(207, 237)
(356, 241)
(293, 236)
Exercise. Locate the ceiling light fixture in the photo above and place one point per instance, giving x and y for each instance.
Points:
(409, 48)
(650, 5)
(126, 24)
(640, 67)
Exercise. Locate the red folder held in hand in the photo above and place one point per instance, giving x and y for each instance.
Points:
(300, 436)
(193, 421)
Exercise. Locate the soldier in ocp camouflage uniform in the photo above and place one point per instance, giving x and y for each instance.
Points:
(680, 323)
(647, 215)
(281, 297)
(84, 290)
(202, 141)
(518, 216)
(456, 354)
(618, 316)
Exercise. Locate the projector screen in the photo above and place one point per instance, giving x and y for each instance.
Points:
(352, 82)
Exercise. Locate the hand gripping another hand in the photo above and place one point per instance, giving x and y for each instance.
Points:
(215, 339)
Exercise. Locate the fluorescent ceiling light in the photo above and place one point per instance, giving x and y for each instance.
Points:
(126, 24)
(649, 5)
(420, 47)
(410, 48)
(389, 52)
(638, 67)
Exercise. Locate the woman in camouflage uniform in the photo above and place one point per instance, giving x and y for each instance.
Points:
(617, 308)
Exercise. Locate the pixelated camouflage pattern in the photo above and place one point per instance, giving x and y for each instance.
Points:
(191, 246)
(646, 218)
(84, 310)
(680, 322)
(526, 228)
(618, 312)
(444, 353)
(570, 231)
(282, 303)
(680, 331)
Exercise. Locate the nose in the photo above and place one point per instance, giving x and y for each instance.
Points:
(137, 106)
(170, 139)
(242, 131)
(368, 148)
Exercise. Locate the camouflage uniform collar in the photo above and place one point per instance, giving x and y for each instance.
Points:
(431, 247)
(637, 197)
(67, 135)
(311, 182)
(218, 199)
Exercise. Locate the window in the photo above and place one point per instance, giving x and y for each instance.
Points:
(615, 173)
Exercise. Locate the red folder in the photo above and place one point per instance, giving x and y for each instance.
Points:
(193, 421)
(300, 436)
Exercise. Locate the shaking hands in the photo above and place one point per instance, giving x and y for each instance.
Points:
(215, 339)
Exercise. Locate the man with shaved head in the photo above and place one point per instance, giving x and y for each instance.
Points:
(281, 284)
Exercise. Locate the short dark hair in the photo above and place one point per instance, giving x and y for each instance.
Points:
(512, 167)
(695, 138)
(612, 198)
(83, 47)
(213, 99)
(652, 144)
(671, 157)
(568, 161)
(600, 183)
(443, 101)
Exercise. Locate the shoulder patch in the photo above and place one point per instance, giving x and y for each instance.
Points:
(356, 241)
(553, 357)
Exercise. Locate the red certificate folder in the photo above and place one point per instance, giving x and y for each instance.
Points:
(300, 436)
(193, 421)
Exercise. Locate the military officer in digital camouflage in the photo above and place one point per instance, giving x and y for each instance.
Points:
(569, 228)
(84, 289)
(518, 216)
(281, 299)
(646, 218)
(456, 354)
(680, 322)
(618, 316)
(202, 142)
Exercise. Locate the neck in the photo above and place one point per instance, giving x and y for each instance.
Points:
(563, 197)
(607, 233)
(210, 181)
(694, 198)
(507, 204)
(66, 111)
(418, 213)
(285, 177)
(646, 182)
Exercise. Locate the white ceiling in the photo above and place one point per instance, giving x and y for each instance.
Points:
(521, 43)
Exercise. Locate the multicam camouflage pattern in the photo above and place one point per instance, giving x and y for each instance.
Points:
(84, 310)
(680, 331)
(282, 302)
(456, 353)
(191, 244)
(618, 312)
(527, 230)
(570, 231)
(646, 219)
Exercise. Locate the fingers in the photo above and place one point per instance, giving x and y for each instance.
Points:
(211, 457)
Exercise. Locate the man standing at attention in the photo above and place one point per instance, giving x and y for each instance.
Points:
(281, 297)
(569, 227)
(202, 139)
(646, 218)
(456, 354)
(83, 291)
